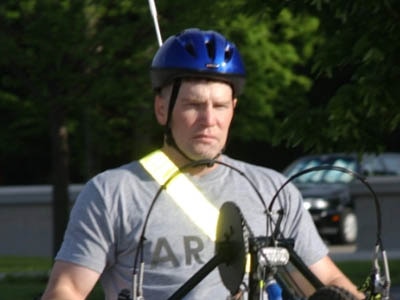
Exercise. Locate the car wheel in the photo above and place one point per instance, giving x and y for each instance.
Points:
(348, 228)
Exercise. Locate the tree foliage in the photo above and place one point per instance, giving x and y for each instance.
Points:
(355, 67)
(75, 93)
(82, 58)
(321, 75)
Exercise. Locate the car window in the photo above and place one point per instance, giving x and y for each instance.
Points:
(372, 165)
(337, 176)
(391, 161)
(383, 164)
(323, 176)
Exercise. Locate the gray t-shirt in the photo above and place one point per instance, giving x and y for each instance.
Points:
(108, 218)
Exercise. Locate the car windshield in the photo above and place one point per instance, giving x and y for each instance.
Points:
(323, 176)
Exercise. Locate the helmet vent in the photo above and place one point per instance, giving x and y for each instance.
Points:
(228, 53)
(190, 48)
(210, 49)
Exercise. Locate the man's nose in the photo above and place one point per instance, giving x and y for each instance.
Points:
(208, 114)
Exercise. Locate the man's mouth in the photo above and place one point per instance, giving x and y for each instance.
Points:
(204, 137)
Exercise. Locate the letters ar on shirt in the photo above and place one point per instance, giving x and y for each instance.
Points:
(165, 252)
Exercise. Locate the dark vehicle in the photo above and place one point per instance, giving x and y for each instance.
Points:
(327, 194)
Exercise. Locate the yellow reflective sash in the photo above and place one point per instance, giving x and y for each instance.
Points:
(185, 194)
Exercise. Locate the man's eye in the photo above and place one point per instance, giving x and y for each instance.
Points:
(194, 104)
(221, 105)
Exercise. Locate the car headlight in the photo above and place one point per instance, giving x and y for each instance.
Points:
(315, 203)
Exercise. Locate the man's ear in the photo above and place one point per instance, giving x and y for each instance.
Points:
(161, 109)
(235, 100)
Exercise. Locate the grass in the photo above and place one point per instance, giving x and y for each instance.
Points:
(11, 264)
(27, 278)
(30, 276)
(358, 271)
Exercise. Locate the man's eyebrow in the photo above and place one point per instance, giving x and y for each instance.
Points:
(191, 98)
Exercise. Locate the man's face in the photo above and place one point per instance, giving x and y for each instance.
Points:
(201, 118)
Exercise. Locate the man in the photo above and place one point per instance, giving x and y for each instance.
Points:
(120, 216)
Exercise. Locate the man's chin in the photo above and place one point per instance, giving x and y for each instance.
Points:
(204, 155)
(199, 151)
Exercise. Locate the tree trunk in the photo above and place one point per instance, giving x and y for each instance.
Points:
(60, 170)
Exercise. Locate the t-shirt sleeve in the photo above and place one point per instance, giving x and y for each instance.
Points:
(89, 235)
(300, 226)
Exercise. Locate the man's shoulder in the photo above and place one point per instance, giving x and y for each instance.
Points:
(127, 169)
(116, 183)
(128, 173)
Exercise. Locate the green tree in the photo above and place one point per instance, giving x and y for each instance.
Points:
(74, 80)
(355, 69)
(39, 64)
(68, 78)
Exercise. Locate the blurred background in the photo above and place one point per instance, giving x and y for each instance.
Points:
(75, 96)
(75, 91)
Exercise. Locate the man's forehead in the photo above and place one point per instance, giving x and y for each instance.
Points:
(206, 88)
(191, 83)
(199, 80)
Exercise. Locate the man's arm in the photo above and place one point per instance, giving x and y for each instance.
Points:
(69, 281)
(329, 274)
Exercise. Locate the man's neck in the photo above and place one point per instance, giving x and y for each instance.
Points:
(180, 160)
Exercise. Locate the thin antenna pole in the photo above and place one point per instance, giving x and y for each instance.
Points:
(153, 11)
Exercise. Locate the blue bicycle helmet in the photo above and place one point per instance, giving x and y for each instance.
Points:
(198, 53)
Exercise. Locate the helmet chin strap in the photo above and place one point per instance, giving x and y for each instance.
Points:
(168, 133)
